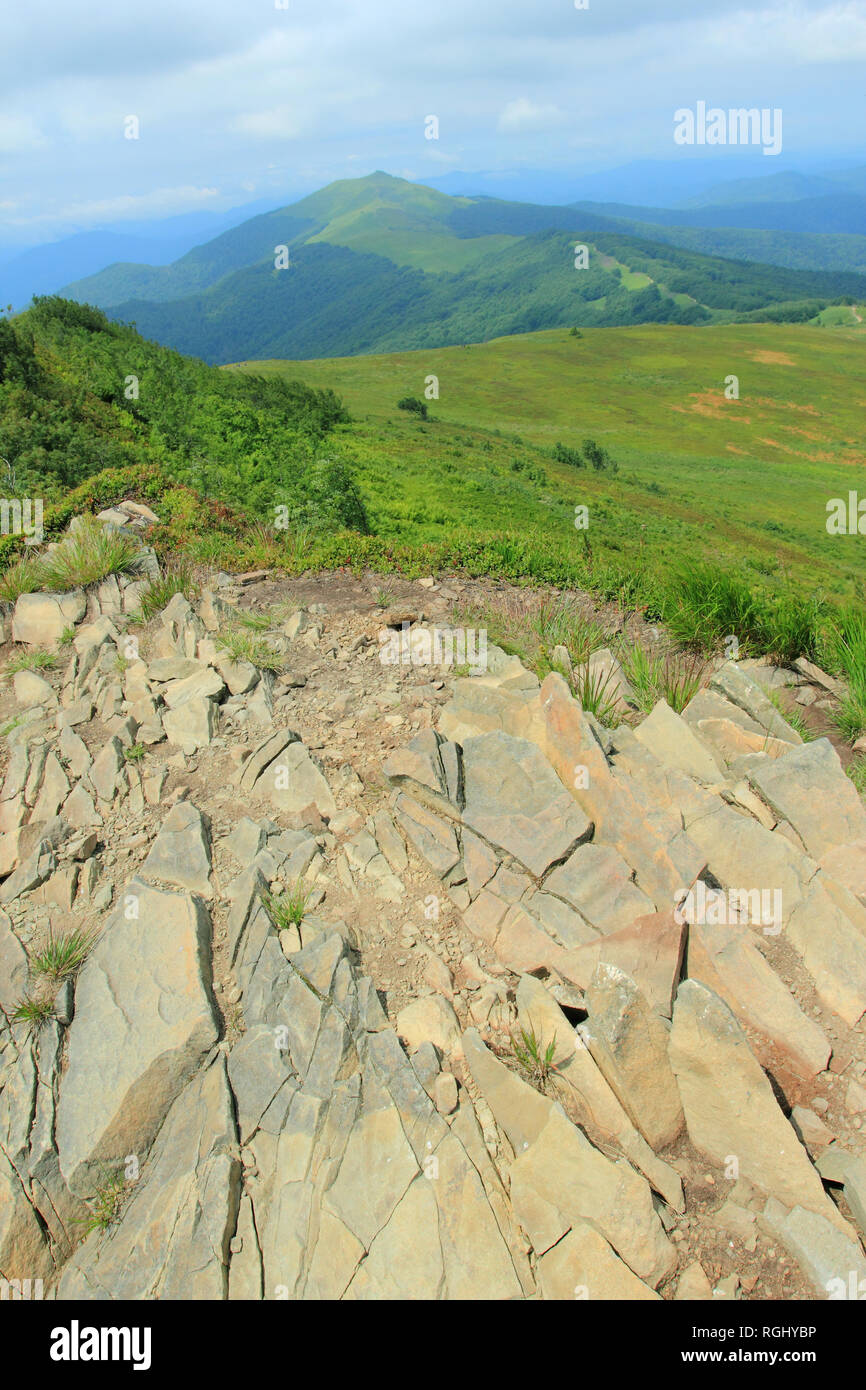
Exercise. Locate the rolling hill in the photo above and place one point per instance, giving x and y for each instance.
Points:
(380, 264)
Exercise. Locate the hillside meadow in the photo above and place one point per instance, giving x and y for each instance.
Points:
(745, 482)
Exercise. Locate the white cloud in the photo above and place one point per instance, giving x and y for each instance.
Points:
(523, 114)
(243, 95)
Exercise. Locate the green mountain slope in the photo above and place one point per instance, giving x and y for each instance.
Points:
(380, 263)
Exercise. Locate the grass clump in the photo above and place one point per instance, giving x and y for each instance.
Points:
(598, 693)
(31, 661)
(88, 555)
(533, 1057)
(22, 577)
(32, 1011)
(675, 678)
(289, 909)
(105, 1205)
(176, 578)
(241, 645)
(857, 773)
(64, 955)
(705, 605)
(846, 654)
(134, 753)
(792, 717)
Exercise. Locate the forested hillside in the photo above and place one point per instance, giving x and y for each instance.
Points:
(379, 265)
(79, 395)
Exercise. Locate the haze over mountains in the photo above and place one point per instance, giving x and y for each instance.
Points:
(382, 264)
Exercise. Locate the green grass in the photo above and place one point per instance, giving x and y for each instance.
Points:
(176, 578)
(87, 556)
(792, 717)
(241, 645)
(534, 1057)
(105, 1205)
(675, 678)
(857, 773)
(135, 752)
(34, 1011)
(845, 648)
(741, 484)
(289, 908)
(21, 577)
(31, 661)
(64, 955)
(598, 693)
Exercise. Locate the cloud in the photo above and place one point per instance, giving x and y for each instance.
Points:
(523, 114)
(233, 94)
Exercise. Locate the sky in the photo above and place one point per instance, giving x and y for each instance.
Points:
(238, 100)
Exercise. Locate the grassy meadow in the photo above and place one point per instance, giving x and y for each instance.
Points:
(741, 482)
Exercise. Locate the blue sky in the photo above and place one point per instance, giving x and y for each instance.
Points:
(239, 100)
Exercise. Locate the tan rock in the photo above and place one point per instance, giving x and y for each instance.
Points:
(730, 1109)
(629, 1043)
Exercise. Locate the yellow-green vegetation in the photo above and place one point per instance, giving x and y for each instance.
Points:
(106, 1203)
(63, 955)
(289, 908)
(743, 481)
(86, 556)
(239, 644)
(534, 1057)
(33, 1011)
(35, 660)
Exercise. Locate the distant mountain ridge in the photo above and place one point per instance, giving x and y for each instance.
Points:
(380, 264)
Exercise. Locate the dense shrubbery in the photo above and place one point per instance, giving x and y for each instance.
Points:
(79, 395)
(592, 455)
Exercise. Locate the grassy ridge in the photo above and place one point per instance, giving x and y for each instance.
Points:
(744, 482)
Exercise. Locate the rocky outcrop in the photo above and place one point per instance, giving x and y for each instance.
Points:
(394, 986)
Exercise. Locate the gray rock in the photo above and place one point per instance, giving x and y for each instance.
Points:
(39, 620)
(515, 801)
(144, 1021)
(181, 853)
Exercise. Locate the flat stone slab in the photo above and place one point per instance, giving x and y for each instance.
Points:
(144, 1020)
(515, 801)
(180, 854)
(809, 788)
(597, 881)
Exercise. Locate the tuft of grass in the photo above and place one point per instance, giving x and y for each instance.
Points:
(289, 909)
(64, 955)
(177, 578)
(254, 622)
(87, 556)
(31, 661)
(22, 577)
(245, 646)
(134, 753)
(560, 623)
(598, 694)
(33, 1011)
(533, 1057)
(846, 651)
(676, 678)
(857, 773)
(792, 717)
(105, 1205)
(704, 605)
(11, 725)
(67, 637)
